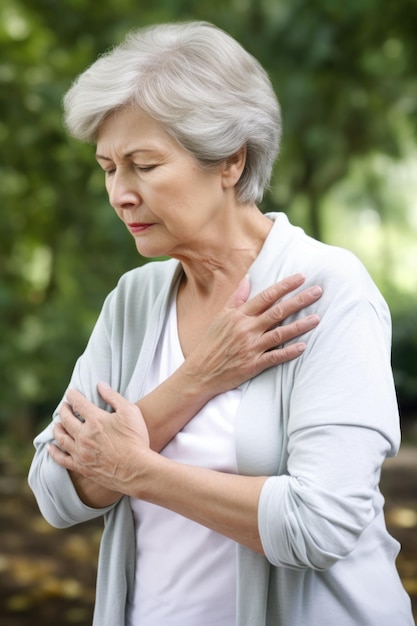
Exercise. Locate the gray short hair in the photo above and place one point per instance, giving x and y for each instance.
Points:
(210, 94)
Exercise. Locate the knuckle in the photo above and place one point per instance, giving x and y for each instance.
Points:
(267, 295)
(274, 357)
(278, 312)
(83, 442)
(76, 408)
(287, 284)
(280, 355)
(298, 301)
(276, 336)
(265, 299)
(84, 459)
(240, 336)
(303, 299)
(296, 328)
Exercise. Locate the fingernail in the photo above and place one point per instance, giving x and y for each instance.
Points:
(316, 291)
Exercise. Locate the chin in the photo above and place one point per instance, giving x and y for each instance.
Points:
(151, 252)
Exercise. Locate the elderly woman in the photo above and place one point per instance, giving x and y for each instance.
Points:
(237, 471)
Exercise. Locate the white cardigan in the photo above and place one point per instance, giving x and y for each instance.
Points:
(319, 426)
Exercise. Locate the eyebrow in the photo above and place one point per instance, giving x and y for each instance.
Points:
(125, 156)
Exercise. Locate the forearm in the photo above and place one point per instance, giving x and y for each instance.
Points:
(91, 493)
(225, 503)
(171, 405)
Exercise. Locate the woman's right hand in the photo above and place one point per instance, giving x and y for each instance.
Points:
(245, 338)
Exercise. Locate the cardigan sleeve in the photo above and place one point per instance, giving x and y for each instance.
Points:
(125, 332)
(314, 516)
(57, 498)
(343, 422)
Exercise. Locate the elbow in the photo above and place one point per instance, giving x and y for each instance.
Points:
(56, 496)
(45, 502)
(311, 531)
(49, 484)
(319, 547)
(323, 557)
(53, 518)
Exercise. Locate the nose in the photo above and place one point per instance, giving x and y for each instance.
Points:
(123, 192)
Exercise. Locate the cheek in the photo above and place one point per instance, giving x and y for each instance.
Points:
(120, 214)
(107, 187)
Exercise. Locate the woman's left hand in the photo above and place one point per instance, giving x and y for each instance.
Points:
(99, 445)
(108, 455)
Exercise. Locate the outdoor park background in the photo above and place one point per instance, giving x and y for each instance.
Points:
(346, 77)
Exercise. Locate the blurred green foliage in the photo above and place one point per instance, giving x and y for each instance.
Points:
(346, 77)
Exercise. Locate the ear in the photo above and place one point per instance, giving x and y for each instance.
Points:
(233, 167)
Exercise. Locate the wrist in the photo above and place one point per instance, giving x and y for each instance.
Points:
(142, 486)
(195, 383)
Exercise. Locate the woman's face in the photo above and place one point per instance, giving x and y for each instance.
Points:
(168, 203)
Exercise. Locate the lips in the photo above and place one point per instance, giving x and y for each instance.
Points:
(138, 227)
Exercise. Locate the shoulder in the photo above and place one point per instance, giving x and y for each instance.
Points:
(147, 280)
(138, 289)
(153, 273)
(338, 270)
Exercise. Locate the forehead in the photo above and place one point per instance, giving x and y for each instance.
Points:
(128, 130)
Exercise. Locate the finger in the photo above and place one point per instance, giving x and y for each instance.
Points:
(282, 334)
(284, 308)
(300, 300)
(112, 397)
(281, 355)
(269, 296)
(69, 419)
(63, 439)
(80, 407)
(61, 457)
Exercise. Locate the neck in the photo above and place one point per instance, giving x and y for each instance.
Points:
(215, 269)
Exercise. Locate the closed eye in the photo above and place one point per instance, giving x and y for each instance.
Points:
(145, 168)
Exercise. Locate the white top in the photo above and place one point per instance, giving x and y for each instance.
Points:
(186, 573)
